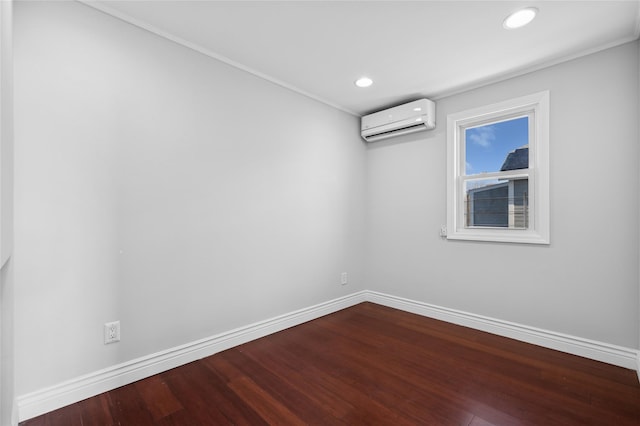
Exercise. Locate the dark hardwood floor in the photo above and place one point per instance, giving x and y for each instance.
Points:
(377, 366)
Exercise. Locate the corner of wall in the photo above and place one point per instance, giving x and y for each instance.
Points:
(6, 129)
(14, 413)
(8, 402)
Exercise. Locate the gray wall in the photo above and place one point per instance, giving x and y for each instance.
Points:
(167, 190)
(586, 282)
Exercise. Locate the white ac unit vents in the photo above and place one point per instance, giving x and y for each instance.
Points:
(400, 120)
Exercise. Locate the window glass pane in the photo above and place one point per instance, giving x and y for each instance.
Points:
(497, 146)
(495, 203)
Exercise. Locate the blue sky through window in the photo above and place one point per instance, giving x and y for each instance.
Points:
(487, 146)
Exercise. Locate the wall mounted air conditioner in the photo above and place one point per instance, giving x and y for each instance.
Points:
(400, 120)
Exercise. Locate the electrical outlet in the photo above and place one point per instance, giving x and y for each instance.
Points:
(111, 332)
(343, 278)
(443, 231)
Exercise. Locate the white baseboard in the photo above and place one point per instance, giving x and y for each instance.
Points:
(54, 397)
(69, 392)
(599, 351)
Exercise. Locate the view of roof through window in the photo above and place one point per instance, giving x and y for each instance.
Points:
(489, 147)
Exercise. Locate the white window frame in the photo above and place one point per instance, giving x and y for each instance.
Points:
(536, 106)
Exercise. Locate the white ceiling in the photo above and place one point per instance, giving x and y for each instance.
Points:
(410, 49)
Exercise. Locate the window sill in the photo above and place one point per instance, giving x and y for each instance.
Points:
(499, 236)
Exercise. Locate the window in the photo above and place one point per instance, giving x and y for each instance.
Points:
(498, 172)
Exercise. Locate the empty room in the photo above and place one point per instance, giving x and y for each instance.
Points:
(319, 212)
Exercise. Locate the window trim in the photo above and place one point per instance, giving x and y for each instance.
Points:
(537, 105)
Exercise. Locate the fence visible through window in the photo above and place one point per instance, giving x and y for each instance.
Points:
(483, 209)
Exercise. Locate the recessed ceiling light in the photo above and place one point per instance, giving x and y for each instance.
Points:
(364, 82)
(520, 18)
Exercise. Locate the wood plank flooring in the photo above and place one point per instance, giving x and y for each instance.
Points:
(372, 365)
